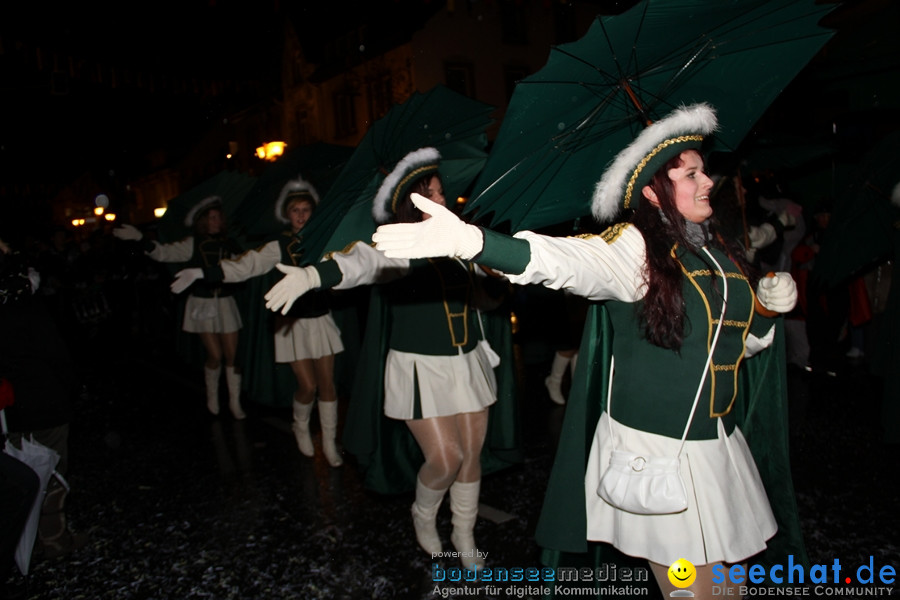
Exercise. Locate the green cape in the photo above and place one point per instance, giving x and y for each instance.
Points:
(761, 415)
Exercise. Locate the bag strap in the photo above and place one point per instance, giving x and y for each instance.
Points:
(712, 348)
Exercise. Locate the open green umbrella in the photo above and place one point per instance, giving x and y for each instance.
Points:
(440, 118)
(567, 121)
(317, 163)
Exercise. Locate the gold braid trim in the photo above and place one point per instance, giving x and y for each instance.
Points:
(612, 233)
(732, 323)
(450, 315)
(409, 177)
(347, 248)
(708, 273)
(659, 148)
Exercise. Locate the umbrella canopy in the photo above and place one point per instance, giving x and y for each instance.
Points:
(861, 227)
(566, 122)
(231, 186)
(440, 118)
(317, 163)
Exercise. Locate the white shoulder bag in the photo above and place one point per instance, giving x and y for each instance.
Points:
(652, 485)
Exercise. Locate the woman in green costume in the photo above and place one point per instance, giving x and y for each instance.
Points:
(210, 310)
(436, 377)
(306, 338)
(667, 282)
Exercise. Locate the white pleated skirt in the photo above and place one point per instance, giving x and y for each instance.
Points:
(211, 315)
(728, 518)
(300, 339)
(447, 385)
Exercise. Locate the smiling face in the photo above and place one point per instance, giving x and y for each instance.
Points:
(692, 187)
(682, 573)
(298, 213)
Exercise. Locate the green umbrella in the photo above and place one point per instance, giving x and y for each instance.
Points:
(440, 118)
(317, 163)
(861, 227)
(231, 186)
(567, 121)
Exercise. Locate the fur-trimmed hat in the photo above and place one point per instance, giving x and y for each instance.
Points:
(201, 207)
(416, 164)
(295, 188)
(683, 129)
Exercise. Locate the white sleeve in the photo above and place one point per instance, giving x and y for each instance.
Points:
(362, 265)
(755, 345)
(173, 253)
(251, 263)
(588, 266)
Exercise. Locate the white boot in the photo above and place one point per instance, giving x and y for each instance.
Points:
(424, 515)
(212, 388)
(328, 418)
(234, 392)
(554, 380)
(464, 505)
(301, 427)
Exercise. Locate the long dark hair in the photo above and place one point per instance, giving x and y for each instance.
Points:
(406, 211)
(662, 315)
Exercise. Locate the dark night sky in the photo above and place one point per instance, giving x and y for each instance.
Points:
(59, 136)
(92, 127)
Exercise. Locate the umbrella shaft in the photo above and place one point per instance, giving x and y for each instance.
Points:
(634, 99)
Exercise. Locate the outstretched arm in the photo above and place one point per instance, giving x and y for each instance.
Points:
(597, 268)
(359, 265)
(442, 233)
(231, 270)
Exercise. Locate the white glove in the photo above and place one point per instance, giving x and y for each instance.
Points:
(777, 293)
(184, 278)
(787, 219)
(35, 278)
(762, 236)
(128, 232)
(296, 282)
(443, 234)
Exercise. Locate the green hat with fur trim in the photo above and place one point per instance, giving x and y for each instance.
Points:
(202, 208)
(632, 169)
(416, 164)
(297, 188)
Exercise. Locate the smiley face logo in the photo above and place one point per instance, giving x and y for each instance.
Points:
(682, 573)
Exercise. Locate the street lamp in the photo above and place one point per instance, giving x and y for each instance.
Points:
(270, 151)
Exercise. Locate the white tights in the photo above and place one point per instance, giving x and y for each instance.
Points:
(452, 447)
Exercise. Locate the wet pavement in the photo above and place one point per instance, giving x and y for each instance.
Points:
(179, 504)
